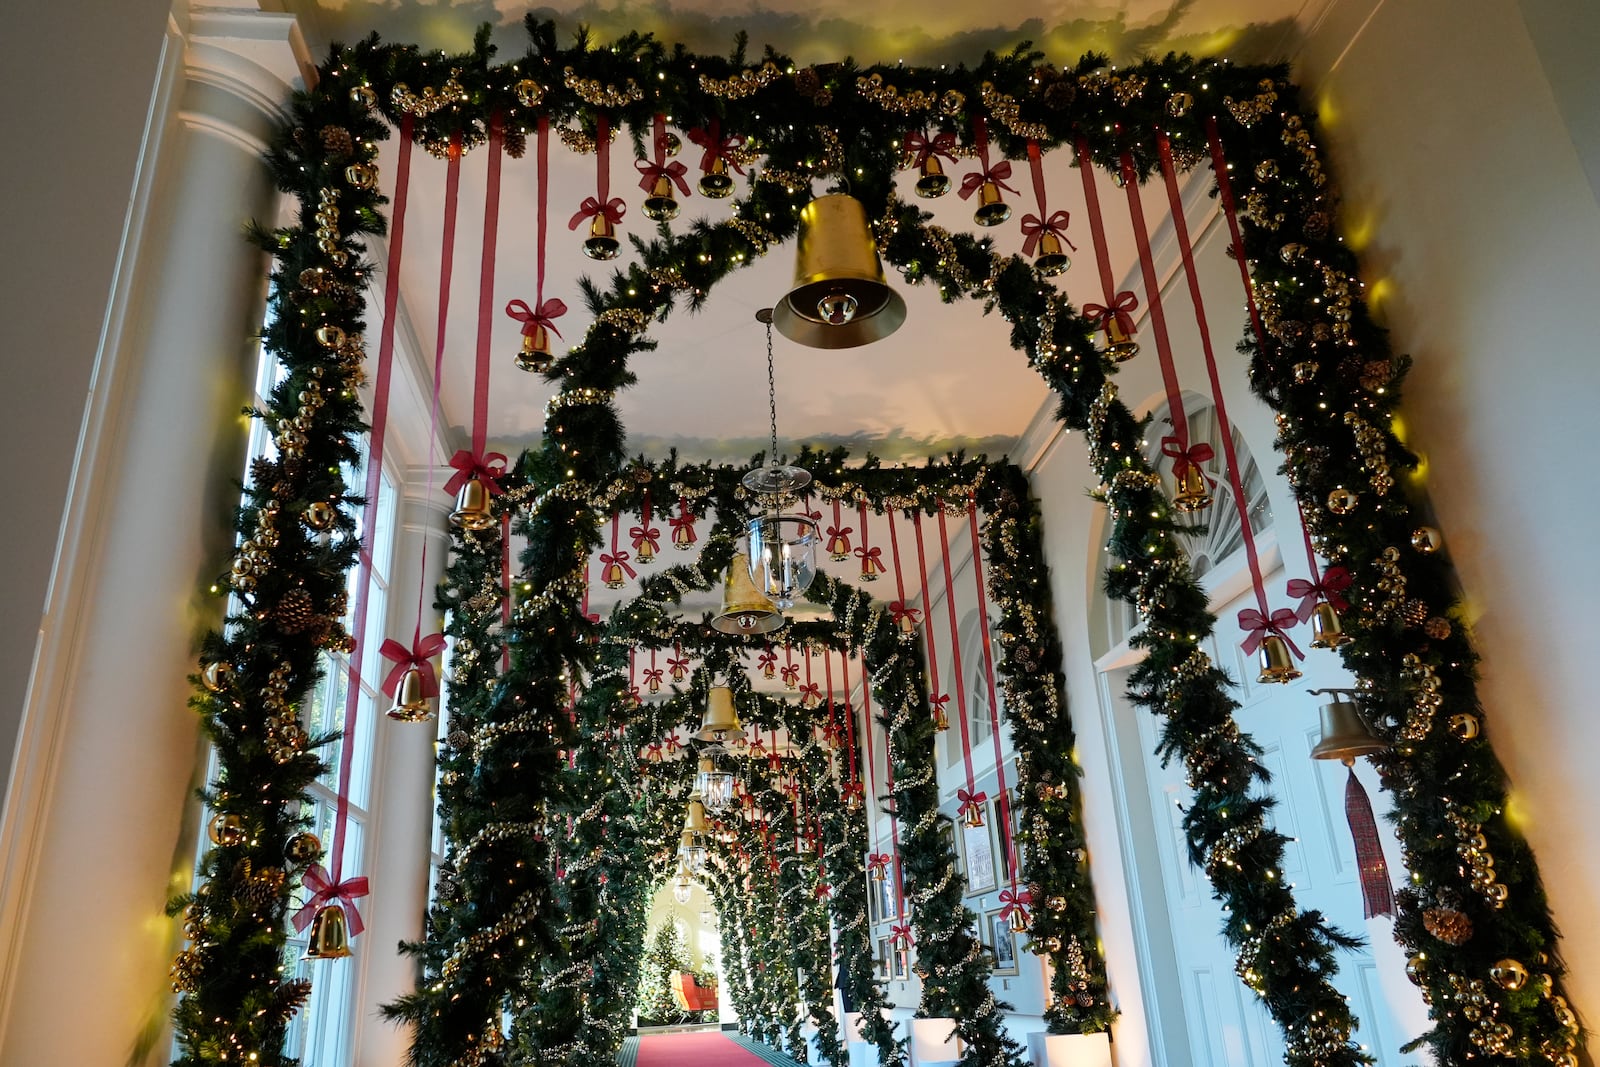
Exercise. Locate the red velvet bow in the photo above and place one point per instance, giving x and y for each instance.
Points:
(900, 934)
(823, 890)
(641, 534)
(854, 789)
(812, 692)
(1257, 626)
(1014, 901)
(679, 668)
(1121, 308)
(938, 701)
(652, 752)
(839, 539)
(898, 611)
(612, 209)
(420, 657)
(682, 525)
(325, 891)
(620, 559)
(716, 146)
(488, 467)
(653, 677)
(674, 742)
(1192, 456)
(919, 147)
(871, 560)
(1033, 227)
(1334, 581)
(790, 674)
(652, 172)
(970, 801)
(879, 860)
(531, 320)
(998, 174)
(757, 746)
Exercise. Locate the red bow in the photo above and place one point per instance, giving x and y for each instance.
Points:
(871, 563)
(325, 891)
(1334, 581)
(898, 611)
(823, 891)
(757, 746)
(938, 701)
(652, 678)
(682, 525)
(811, 692)
(618, 559)
(1121, 308)
(679, 668)
(654, 171)
(920, 148)
(674, 742)
(853, 789)
(531, 320)
(1257, 626)
(971, 801)
(839, 540)
(420, 657)
(997, 174)
(487, 468)
(1012, 902)
(612, 209)
(652, 752)
(716, 146)
(900, 934)
(641, 534)
(768, 661)
(1033, 227)
(1184, 458)
(790, 674)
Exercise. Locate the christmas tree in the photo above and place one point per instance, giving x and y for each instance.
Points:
(668, 952)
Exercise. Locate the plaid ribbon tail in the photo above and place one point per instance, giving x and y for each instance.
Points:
(1377, 892)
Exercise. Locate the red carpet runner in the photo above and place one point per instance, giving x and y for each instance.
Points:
(703, 1049)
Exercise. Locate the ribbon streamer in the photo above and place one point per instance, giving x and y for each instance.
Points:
(1034, 226)
(998, 173)
(654, 169)
(644, 533)
(1013, 900)
(603, 203)
(420, 655)
(325, 890)
(1377, 892)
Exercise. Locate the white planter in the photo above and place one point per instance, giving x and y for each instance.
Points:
(852, 1025)
(934, 1041)
(1070, 1050)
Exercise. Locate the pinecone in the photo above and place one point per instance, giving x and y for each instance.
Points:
(1375, 374)
(1437, 628)
(1059, 95)
(295, 612)
(1448, 925)
(516, 143)
(290, 997)
(1415, 613)
(337, 140)
(262, 889)
(263, 471)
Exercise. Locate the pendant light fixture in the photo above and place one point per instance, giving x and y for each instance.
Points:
(783, 548)
(714, 784)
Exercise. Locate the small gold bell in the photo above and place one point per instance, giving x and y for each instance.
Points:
(1277, 665)
(934, 182)
(612, 576)
(941, 721)
(1120, 345)
(644, 551)
(1189, 490)
(972, 816)
(683, 537)
(535, 357)
(330, 938)
(852, 801)
(992, 208)
(409, 703)
(1050, 261)
(473, 511)
(694, 820)
(602, 241)
(1326, 631)
(661, 205)
(1018, 921)
(1344, 735)
(716, 183)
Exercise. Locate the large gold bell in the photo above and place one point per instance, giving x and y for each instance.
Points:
(934, 182)
(409, 703)
(473, 511)
(330, 938)
(839, 298)
(602, 242)
(1052, 258)
(744, 609)
(694, 819)
(716, 183)
(1344, 735)
(535, 357)
(1120, 345)
(992, 208)
(1326, 631)
(1189, 490)
(721, 721)
(661, 205)
(1277, 665)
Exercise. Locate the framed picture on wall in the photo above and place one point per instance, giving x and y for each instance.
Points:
(1002, 941)
(884, 894)
(978, 853)
(881, 964)
(947, 840)
(899, 964)
(875, 912)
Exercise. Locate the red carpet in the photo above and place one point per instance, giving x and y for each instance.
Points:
(704, 1049)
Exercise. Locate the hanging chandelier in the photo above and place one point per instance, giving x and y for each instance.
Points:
(714, 784)
(783, 548)
(681, 885)
(692, 852)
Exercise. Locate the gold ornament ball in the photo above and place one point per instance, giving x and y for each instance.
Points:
(1342, 501)
(1050, 944)
(673, 145)
(1426, 539)
(303, 849)
(226, 829)
(1415, 968)
(1464, 725)
(1178, 104)
(1509, 974)
(1565, 1058)
(1056, 903)
(319, 515)
(363, 96)
(529, 92)
(216, 675)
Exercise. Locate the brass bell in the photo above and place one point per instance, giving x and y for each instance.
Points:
(1120, 345)
(1277, 665)
(1051, 260)
(330, 938)
(992, 208)
(721, 721)
(661, 205)
(535, 357)
(473, 511)
(694, 821)
(1018, 921)
(744, 609)
(972, 816)
(934, 182)
(716, 183)
(1344, 735)
(1326, 631)
(409, 703)
(839, 298)
(1189, 491)
(644, 552)
(602, 241)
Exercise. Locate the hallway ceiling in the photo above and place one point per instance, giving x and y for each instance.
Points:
(947, 379)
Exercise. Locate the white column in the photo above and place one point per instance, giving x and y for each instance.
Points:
(100, 821)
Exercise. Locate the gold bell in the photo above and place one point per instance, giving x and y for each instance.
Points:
(694, 820)
(409, 703)
(472, 507)
(1189, 490)
(839, 298)
(535, 357)
(721, 721)
(992, 208)
(1018, 921)
(716, 183)
(1344, 735)
(744, 609)
(941, 720)
(1277, 665)
(644, 552)
(934, 182)
(330, 938)
(1051, 260)
(1326, 631)
(661, 205)
(602, 242)
(1120, 345)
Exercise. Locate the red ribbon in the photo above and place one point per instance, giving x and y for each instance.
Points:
(660, 168)
(839, 539)
(612, 209)
(790, 674)
(871, 560)
(900, 934)
(811, 691)
(1334, 581)
(652, 752)
(679, 667)
(602, 203)
(487, 467)
(653, 677)
(716, 146)
(898, 611)
(1192, 456)
(324, 890)
(531, 320)
(619, 559)
(682, 524)
(674, 742)
(971, 800)
(879, 860)
(1120, 307)
(1257, 626)
(768, 661)
(1053, 222)
(642, 534)
(1377, 893)
(997, 173)
(921, 148)
(1013, 901)
(420, 656)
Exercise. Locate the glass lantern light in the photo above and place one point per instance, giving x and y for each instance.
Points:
(692, 852)
(715, 785)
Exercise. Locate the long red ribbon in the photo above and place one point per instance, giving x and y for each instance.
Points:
(955, 650)
(1377, 891)
(994, 700)
(491, 233)
(935, 696)
(603, 203)
(1117, 305)
(1035, 226)
(899, 609)
(1152, 296)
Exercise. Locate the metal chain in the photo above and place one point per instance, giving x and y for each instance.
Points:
(772, 400)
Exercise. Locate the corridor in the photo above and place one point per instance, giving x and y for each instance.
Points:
(705, 1048)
